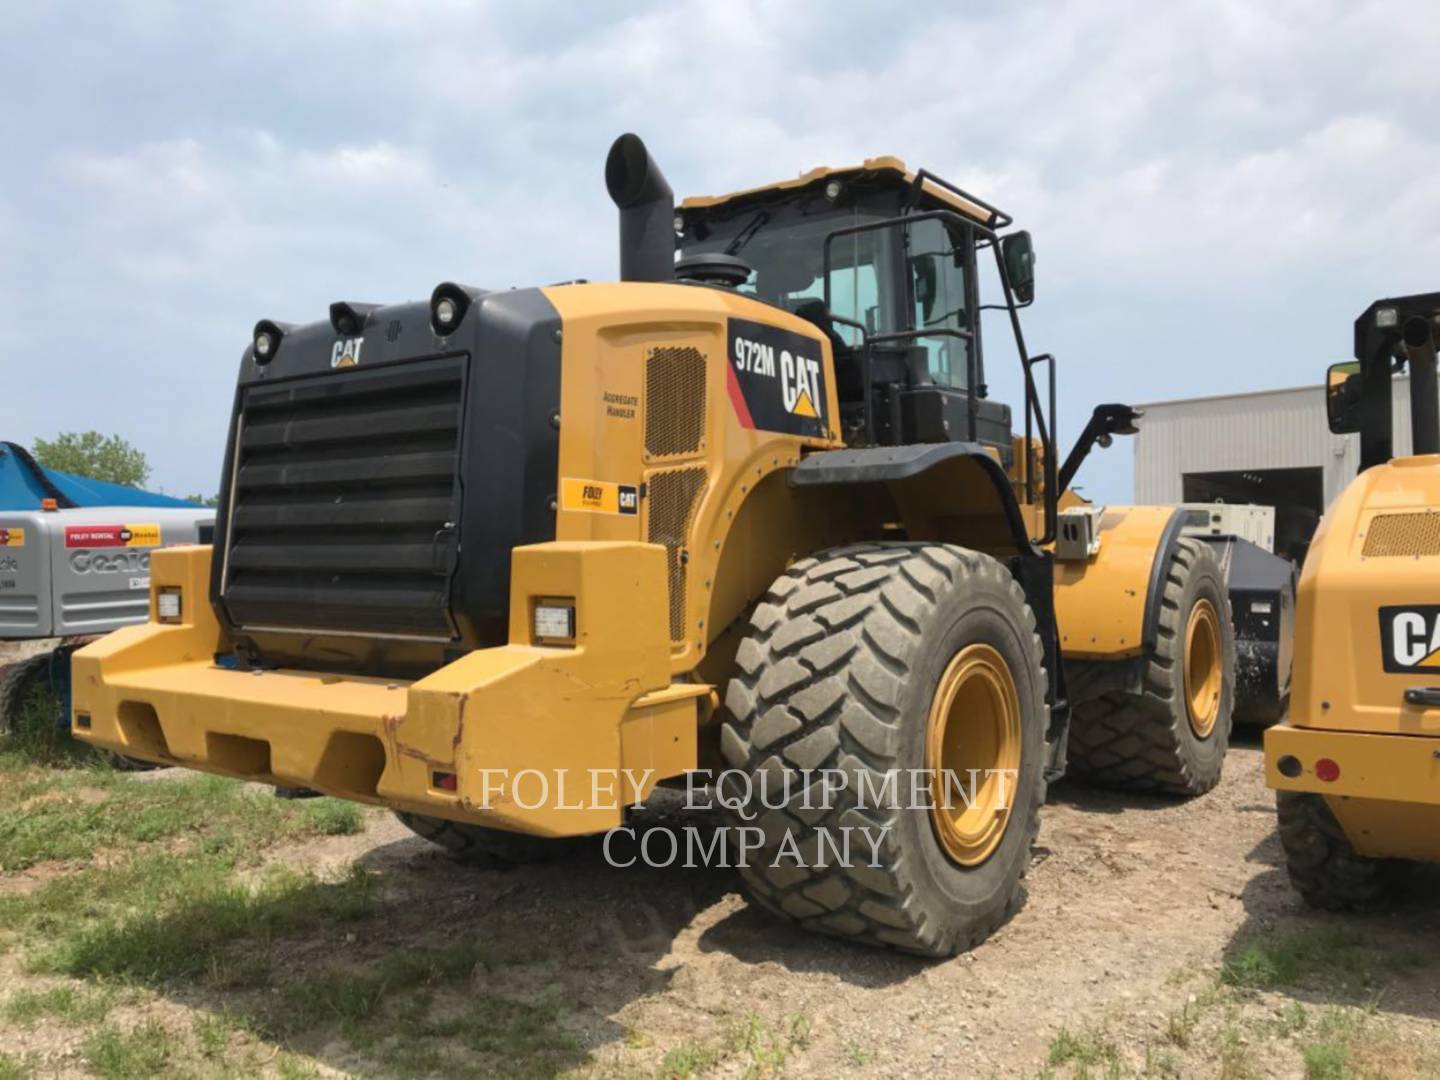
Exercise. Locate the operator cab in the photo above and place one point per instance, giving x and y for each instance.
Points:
(883, 261)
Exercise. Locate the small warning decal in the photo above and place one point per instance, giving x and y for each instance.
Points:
(776, 379)
(107, 536)
(12, 537)
(599, 497)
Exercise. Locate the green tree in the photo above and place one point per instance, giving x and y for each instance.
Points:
(100, 457)
(204, 500)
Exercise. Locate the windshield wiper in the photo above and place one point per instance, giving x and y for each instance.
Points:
(743, 236)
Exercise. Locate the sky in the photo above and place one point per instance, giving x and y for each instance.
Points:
(1215, 189)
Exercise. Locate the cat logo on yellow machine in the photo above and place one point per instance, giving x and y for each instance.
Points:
(1410, 638)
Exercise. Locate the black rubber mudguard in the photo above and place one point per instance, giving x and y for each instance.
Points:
(1262, 608)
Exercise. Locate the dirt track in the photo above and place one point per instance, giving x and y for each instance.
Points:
(1111, 967)
(1133, 904)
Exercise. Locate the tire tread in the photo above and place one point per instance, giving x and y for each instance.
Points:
(879, 618)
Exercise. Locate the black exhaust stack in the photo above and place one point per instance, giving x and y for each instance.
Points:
(1419, 341)
(647, 212)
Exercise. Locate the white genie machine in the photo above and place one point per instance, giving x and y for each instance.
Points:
(74, 564)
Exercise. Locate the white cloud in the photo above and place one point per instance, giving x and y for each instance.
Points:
(184, 171)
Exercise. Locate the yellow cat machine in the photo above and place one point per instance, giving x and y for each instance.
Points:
(750, 511)
(1356, 767)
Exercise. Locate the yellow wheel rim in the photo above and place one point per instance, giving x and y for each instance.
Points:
(1203, 675)
(972, 750)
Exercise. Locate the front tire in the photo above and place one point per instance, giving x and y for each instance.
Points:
(874, 661)
(1171, 736)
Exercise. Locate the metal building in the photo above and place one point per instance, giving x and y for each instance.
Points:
(1271, 447)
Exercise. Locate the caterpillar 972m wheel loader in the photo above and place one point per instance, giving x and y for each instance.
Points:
(750, 512)
(1356, 767)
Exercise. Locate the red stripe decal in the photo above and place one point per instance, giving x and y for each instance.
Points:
(737, 398)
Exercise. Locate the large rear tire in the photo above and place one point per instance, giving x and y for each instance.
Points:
(1323, 866)
(477, 844)
(1171, 737)
(876, 660)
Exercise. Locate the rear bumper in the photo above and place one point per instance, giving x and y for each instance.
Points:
(1396, 768)
(545, 740)
(1386, 796)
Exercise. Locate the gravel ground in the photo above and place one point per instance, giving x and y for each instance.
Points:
(1115, 964)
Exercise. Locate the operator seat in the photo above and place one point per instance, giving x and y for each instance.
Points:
(849, 377)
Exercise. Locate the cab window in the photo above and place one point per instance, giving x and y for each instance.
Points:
(935, 261)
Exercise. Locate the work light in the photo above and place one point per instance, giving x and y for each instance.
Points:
(266, 340)
(167, 605)
(349, 318)
(555, 621)
(448, 305)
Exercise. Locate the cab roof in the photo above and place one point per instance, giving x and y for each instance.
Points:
(942, 192)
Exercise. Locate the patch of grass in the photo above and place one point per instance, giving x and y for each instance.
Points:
(69, 1004)
(1348, 1041)
(635, 1039)
(348, 996)
(213, 1032)
(1293, 1019)
(1160, 1063)
(295, 1067)
(386, 1011)
(690, 1058)
(40, 735)
(162, 916)
(766, 1045)
(1084, 1048)
(334, 817)
(13, 1068)
(418, 1057)
(499, 1034)
(139, 1054)
(1234, 1057)
(71, 816)
(1325, 1061)
(1180, 1025)
(1329, 958)
(858, 1054)
(518, 1031)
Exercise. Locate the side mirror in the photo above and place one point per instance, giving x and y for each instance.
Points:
(1018, 251)
(1342, 397)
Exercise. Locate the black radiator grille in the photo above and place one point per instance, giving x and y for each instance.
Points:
(344, 502)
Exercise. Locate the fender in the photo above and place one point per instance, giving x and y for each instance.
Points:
(1108, 605)
(934, 485)
(958, 492)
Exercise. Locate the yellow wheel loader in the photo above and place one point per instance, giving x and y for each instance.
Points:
(504, 561)
(1356, 767)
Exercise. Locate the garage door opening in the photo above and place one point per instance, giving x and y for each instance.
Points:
(1298, 496)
